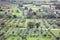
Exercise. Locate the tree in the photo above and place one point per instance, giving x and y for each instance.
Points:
(17, 11)
(20, 5)
(30, 9)
(17, 26)
(34, 13)
(9, 16)
(49, 35)
(24, 38)
(30, 24)
(2, 23)
(37, 25)
(44, 35)
(2, 34)
(14, 16)
(5, 12)
(39, 10)
(1, 9)
(26, 8)
(57, 38)
(58, 24)
(13, 32)
(8, 7)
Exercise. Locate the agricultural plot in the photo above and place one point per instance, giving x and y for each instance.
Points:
(17, 27)
(18, 19)
(21, 34)
(23, 23)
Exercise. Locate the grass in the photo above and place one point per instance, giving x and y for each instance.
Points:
(1, 12)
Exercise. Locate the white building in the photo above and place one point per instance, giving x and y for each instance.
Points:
(25, 13)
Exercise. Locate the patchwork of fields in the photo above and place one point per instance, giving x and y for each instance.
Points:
(32, 34)
(18, 28)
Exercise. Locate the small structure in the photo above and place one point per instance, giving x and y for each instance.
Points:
(25, 12)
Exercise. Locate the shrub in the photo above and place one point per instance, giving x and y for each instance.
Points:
(14, 16)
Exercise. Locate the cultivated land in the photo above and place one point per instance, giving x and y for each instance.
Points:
(13, 22)
(12, 26)
(18, 33)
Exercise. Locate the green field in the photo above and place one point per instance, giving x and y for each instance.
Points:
(18, 33)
